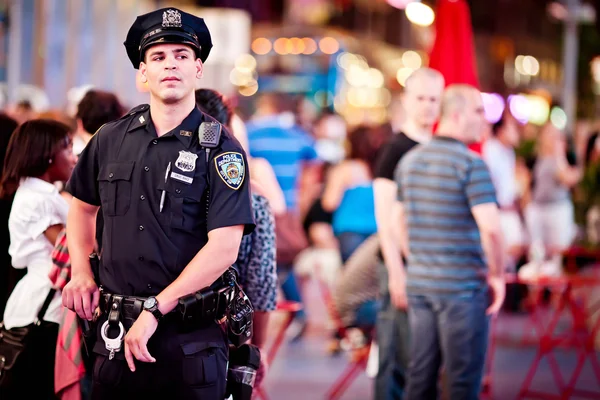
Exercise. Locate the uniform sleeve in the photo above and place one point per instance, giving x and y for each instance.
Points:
(479, 187)
(83, 183)
(230, 202)
(387, 162)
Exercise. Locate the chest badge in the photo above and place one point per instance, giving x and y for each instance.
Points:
(231, 169)
(186, 161)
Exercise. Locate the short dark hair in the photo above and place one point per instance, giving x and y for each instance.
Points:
(214, 104)
(365, 142)
(30, 151)
(97, 108)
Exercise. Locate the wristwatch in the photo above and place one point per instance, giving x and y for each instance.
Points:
(151, 305)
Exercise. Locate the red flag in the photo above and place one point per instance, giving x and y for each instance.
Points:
(453, 52)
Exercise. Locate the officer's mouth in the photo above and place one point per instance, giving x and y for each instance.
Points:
(170, 79)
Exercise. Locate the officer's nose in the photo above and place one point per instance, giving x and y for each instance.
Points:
(170, 63)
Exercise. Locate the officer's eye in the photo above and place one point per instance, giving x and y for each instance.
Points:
(157, 58)
(183, 56)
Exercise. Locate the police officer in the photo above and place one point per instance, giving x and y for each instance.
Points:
(173, 221)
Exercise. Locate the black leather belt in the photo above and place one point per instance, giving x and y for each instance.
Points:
(121, 308)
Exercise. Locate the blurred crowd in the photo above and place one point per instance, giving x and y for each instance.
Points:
(316, 175)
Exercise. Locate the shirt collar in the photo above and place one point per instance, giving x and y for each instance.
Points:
(448, 139)
(185, 132)
(38, 185)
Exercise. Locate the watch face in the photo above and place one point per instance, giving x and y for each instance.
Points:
(149, 303)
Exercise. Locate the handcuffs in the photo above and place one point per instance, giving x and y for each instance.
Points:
(113, 345)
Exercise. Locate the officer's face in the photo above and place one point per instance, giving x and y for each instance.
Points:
(171, 71)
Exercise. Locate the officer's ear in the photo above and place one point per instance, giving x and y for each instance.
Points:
(199, 68)
(142, 71)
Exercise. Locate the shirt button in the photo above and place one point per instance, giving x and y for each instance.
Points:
(177, 191)
(146, 168)
(149, 286)
(142, 197)
(141, 258)
(141, 227)
(111, 175)
(155, 141)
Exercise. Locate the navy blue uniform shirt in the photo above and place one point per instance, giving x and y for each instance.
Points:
(122, 170)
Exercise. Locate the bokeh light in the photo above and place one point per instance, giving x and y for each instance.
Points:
(403, 74)
(494, 106)
(329, 45)
(558, 118)
(519, 107)
(420, 14)
(412, 59)
(261, 46)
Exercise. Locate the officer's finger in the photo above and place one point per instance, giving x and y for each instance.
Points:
(129, 358)
(86, 302)
(95, 299)
(146, 354)
(67, 299)
(77, 302)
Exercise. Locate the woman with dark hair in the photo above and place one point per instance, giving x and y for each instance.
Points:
(8, 275)
(256, 263)
(39, 153)
(349, 190)
(95, 109)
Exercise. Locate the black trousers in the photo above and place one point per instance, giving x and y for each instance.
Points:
(189, 365)
(33, 374)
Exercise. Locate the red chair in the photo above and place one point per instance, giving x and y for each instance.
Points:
(358, 358)
(289, 308)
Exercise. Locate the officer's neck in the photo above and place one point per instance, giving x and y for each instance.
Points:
(167, 117)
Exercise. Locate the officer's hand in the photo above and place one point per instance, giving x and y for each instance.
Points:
(136, 340)
(81, 295)
(397, 289)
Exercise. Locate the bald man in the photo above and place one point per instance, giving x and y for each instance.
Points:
(454, 277)
(421, 107)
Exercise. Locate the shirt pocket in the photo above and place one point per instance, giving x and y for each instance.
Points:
(114, 182)
(185, 204)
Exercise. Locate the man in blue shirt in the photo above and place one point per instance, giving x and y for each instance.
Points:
(274, 136)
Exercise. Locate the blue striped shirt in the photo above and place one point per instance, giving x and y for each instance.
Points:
(285, 148)
(438, 184)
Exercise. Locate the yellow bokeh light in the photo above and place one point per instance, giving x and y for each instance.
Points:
(419, 14)
(249, 90)
(310, 46)
(375, 78)
(261, 46)
(403, 74)
(412, 59)
(282, 46)
(245, 62)
(329, 45)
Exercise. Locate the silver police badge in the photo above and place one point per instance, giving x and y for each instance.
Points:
(171, 19)
(186, 161)
(231, 169)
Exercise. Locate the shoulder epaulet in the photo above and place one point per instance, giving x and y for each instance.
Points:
(137, 110)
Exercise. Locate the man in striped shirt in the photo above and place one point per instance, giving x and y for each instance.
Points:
(454, 280)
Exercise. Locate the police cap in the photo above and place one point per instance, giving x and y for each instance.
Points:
(167, 25)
